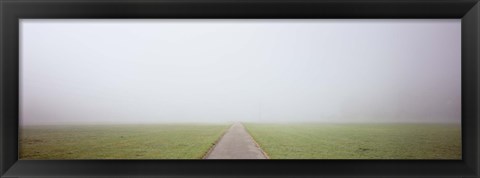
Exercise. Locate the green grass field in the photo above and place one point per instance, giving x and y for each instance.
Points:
(358, 141)
(279, 141)
(166, 141)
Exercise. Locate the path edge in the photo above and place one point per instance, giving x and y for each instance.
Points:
(256, 143)
(216, 142)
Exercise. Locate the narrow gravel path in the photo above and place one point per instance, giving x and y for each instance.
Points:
(236, 144)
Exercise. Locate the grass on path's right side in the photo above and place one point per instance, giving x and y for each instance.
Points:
(358, 141)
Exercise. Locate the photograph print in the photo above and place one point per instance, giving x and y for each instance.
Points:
(240, 89)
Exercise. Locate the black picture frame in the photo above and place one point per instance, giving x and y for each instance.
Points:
(13, 10)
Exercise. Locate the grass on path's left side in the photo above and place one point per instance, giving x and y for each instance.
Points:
(162, 141)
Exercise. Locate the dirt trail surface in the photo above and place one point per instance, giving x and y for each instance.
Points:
(236, 144)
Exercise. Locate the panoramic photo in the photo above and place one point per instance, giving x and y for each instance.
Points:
(240, 89)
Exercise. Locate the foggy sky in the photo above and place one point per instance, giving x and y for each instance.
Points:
(146, 71)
